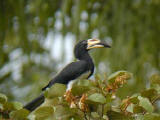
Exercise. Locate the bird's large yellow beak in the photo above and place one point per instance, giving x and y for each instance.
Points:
(95, 43)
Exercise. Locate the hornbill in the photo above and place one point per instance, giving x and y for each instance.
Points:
(83, 65)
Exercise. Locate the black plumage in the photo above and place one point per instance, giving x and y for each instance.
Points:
(73, 70)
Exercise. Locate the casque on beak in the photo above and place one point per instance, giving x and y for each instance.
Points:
(95, 43)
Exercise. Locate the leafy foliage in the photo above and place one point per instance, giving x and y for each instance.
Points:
(89, 100)
(32, 31)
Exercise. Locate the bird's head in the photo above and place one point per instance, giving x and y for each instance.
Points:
(85, 45)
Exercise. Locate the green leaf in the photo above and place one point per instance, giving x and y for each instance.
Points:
(118, 116)
(156, 87)
(96, 98)
(150, 94)
(17, 105)
(149, 116)
(44, 112)
(109, 98)
(8, 106)
(63, 112)
(95, 115)
(81, 86)
(145, 103)
(112, 77)
(51, 102)
(152, 116)
(85, 82)
(19, 114)
(138, 109)
(155, 79)
(3, 98)
(12, 106)
(155, 82)
(130, 108)
(139, 117)
(75, 117)
(56, 90)
(106, 108)
(134, 100)
(79, 90)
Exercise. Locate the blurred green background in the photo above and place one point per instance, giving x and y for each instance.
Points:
(37, 38)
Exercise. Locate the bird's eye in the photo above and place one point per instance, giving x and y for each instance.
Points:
(84, 42)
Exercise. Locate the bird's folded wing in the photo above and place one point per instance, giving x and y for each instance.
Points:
(70, 72)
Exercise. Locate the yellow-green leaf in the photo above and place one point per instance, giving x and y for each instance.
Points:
(19, 114)
(43, 113)
(145, 103)
(97, 98)
(55, 91)
(3, 98)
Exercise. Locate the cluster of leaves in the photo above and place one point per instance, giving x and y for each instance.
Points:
(12, 110)
(90, 100)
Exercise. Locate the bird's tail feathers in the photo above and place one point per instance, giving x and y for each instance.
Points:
(35, 103)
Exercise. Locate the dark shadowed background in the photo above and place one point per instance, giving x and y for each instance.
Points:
(37, 38)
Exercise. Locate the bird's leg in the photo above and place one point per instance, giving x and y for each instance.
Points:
(69, 85)
(68, 95)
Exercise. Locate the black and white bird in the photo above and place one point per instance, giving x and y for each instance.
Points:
(83, 66)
